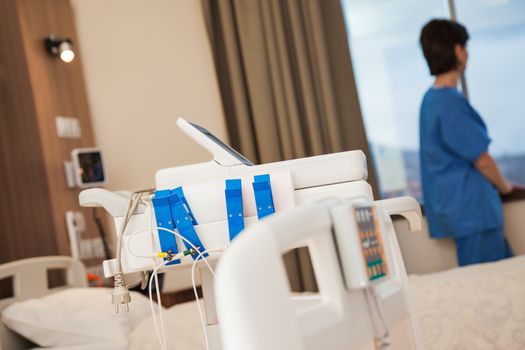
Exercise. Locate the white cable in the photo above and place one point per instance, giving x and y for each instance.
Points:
(200, 256)
(161, 339)
(203, 323)
(151, 227)
(120, 294)
(172, 232)
(161, 335)
(385, 338)
(133, 202)
(159, 303)
(382, 341)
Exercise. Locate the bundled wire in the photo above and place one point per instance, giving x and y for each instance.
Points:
(102, 234)
(120, 294)
(133, 203)
(382, 341)
(200, 256)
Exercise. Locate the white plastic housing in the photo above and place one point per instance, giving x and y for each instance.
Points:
(257, 310)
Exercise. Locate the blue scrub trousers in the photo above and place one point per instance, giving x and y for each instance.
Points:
(483, 247)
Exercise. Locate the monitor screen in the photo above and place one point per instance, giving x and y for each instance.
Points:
(226, 147)
(90, 167)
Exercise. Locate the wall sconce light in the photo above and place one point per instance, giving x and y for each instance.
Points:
(61, 47)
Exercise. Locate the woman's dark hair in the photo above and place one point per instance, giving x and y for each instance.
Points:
(438, 40)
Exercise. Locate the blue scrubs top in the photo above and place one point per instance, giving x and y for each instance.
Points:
(458, 199)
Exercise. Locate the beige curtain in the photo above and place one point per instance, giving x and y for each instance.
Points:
(287, 85)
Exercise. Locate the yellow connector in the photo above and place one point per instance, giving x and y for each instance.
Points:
(162, 255)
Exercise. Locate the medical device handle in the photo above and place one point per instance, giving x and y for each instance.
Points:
(407, 207)
(252, 270)
(115, 203)
(251, 274)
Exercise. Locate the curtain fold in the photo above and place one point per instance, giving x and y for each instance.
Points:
(287, 86)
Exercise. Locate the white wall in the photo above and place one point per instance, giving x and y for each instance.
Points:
(422, 254)
(146, 62)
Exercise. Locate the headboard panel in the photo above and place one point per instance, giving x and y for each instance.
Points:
(29, 278)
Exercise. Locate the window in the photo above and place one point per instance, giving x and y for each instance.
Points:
(495, 76)
(392, 76)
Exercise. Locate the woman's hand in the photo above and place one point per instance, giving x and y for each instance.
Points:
(488, 168)
(507, 188)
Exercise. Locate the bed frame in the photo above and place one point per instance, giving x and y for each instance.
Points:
(30, 280)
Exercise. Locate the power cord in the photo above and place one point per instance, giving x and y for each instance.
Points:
(102, 234)
(382, 342)
(121, 294)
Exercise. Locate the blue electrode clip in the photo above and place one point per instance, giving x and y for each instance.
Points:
(234, 208)
(161, 205)
(262, 189)
(179, 192)
(184, 220)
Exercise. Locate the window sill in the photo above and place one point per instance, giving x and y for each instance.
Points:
(516, 195)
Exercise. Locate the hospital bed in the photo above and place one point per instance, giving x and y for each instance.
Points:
(29, 279)
(475, 307)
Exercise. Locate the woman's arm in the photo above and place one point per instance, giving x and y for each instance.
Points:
(488, 167)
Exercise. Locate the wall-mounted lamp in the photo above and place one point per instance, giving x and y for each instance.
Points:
(61, 47)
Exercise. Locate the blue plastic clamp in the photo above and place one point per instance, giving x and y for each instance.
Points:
(234, 208)
(182, 216)
(179, 192)
(262, 189)
(161, 205)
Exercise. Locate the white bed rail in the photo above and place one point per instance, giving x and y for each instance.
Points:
(30, 280)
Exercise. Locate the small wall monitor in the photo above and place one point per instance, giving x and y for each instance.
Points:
(89, 167)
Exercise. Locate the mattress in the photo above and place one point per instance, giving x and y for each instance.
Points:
(474, 307)
(183, 330)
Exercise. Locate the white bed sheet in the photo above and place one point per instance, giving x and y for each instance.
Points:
(97, 346)
(183, 330)
(474, 307)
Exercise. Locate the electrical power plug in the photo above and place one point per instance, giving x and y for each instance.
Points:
(120, 294)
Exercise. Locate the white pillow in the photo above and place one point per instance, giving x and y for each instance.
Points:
(76, 316)
(183, 330)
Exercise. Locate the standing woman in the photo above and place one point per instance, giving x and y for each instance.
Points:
(461, 181)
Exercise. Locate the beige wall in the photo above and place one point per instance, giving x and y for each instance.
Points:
(422, 254)
(146, 62)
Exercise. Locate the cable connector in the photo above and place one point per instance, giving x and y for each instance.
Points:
(162, 255)
(190, 251)
(120, 294)
(382, 343)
